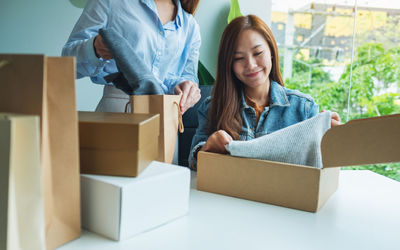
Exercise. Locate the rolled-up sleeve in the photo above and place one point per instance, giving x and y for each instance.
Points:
(80, 42)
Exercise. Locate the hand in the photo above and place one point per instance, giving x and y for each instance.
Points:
(190, 94)
(335, 119)
(217, 141)
(101, 49)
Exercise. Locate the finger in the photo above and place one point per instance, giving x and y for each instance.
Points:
(105, 54)
(102, 48)
(197, 95)
(185, 87)
(224, 137)
(191, 98)
(336, 116)
(335, 123)
(227, 137)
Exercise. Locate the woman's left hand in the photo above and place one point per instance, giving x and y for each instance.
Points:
(190, 94)
(335, 119)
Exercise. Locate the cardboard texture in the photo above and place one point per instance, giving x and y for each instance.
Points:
(168, 108)
(363, 141)
(122, 207)
(117, 143)
(21, 194)
(45, 86)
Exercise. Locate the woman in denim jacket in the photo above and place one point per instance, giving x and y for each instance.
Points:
(249, 99)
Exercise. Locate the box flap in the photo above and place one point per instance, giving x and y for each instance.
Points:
(117, 118)
(363, 141)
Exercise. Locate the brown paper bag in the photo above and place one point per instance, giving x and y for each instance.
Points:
(170, 120)
(45, 86)
(21, 196)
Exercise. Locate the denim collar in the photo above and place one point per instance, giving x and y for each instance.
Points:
(179, 13)
(277, 96)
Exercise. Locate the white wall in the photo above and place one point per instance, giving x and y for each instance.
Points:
(43, 26)
(212, 17)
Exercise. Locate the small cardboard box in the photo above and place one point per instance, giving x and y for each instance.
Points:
(117, 143)
(121, 207)
(363, 141)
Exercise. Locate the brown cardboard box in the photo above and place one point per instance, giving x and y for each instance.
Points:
(363, 141)
(117, 143)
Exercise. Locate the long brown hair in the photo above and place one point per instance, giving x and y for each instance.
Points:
(190, 6)
(226, 96)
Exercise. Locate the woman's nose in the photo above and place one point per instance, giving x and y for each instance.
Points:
(251, 63)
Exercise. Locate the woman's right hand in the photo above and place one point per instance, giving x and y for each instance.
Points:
(101, 49)
(217, 141)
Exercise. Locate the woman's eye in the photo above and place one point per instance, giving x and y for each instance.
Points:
(238, 58)
(258, 53)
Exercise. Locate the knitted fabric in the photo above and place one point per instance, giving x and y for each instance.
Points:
(297, 144)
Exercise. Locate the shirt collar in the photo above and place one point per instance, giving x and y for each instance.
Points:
(277, 96)
(179, 12)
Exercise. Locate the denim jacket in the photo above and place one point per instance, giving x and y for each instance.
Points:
(286, 108)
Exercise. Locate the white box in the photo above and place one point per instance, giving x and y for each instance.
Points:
(121, 207)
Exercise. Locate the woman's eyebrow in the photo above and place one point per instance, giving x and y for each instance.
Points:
(255, 47)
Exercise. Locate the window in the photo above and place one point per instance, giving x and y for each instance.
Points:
(328, 46)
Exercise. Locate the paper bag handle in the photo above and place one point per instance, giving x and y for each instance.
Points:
(126, 106)
(180, 121)
(3, 63)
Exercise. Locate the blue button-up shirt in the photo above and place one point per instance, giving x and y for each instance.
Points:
(171, 51)
(286, 108)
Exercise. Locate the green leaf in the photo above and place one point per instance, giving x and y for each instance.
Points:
(234, 11)
(205, 78)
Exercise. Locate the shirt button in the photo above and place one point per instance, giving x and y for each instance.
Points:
(160, 32)
(159, 53)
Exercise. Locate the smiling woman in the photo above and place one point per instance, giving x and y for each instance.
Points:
(248, 99)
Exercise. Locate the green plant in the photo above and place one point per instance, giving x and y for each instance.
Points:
(205, 78)
(375, 90)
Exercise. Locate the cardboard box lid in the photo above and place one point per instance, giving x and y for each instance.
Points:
(362, 141)
(154, 170)
(101, 130)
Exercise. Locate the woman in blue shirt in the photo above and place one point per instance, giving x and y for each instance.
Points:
(248, 99)
(162, 32)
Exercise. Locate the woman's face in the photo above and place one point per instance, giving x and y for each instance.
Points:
(252, 59)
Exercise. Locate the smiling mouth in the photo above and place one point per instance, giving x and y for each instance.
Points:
(254, 74)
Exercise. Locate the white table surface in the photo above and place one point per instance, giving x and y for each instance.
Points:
(364, 213)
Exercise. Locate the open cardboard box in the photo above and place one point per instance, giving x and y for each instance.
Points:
(117, 143)
(362, 141)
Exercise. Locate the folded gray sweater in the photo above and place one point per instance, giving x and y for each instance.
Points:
(296, 144)
(134, 78)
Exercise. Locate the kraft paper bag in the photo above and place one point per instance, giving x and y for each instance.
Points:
(170, 119)
(45, 86)
(21, 197)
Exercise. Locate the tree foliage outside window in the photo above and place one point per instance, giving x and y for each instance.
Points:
(375, 86)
